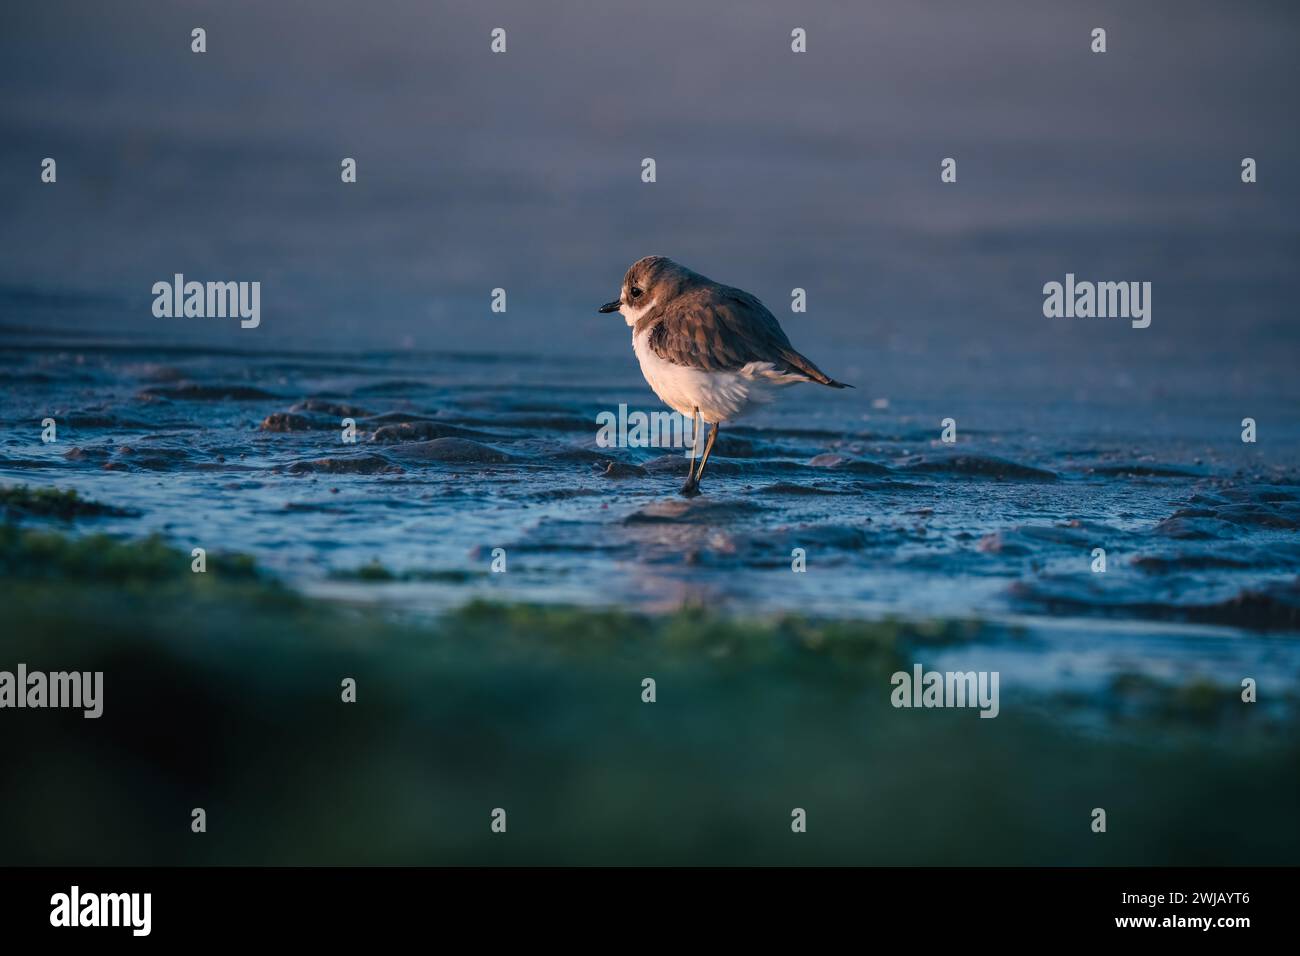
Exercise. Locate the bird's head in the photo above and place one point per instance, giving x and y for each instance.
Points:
(651, 281)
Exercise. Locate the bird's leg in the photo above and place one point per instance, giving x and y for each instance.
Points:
(713, 436)
(692, 482)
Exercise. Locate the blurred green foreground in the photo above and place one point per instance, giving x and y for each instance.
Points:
(223, 691)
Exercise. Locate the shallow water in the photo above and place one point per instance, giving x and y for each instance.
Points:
(459, 455)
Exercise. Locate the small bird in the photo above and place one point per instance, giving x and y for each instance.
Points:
(708, 350)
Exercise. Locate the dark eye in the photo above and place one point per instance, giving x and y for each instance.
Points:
(636, 293)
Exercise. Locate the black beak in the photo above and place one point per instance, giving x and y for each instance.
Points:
(610, 306)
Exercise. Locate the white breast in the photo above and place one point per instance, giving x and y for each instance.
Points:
(720, 396)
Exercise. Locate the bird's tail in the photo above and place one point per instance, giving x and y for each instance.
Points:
(802, 365)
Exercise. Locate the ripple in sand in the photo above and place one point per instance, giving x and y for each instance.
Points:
(692, 510)
(1191, 561)
(981, 466)
(789, 488)
(843, 463)
(399, 387)
(195, 392)
(1267, 606)
(99, 420)
(1214, 517)
(147, 458)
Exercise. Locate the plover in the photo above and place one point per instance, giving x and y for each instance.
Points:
(708, 351)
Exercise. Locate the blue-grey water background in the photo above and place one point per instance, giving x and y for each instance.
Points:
(775, 171)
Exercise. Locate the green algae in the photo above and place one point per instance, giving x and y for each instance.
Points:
(18, 501)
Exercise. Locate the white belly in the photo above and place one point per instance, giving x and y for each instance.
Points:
(720, 396)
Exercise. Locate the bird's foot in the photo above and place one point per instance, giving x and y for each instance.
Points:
(691, 489)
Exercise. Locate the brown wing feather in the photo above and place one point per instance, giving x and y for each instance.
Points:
(719, 328)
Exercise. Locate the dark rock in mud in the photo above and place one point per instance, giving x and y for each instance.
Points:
(420, 431)
(451, 449)
(290, 422)
(354, 465)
